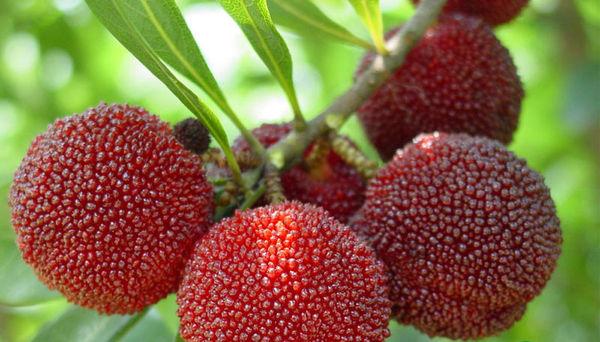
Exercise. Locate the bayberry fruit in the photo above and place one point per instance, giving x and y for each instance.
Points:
(494, 12)
(459, 78)
(192, 135)
(107, 205)
(331, 184)
(467, 230)
(287, 272)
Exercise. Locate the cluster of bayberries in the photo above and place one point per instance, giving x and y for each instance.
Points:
(455, 235)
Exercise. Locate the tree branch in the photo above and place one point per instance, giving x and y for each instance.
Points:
(288, 151)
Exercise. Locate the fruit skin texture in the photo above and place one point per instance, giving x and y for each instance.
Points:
(458, 79)
(334, 185)
(287, 272)
(107, 205)
(468, 232)
(494, 12)
(192, 135)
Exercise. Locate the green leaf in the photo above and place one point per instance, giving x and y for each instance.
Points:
(254, 19)
(149, 328)
(78, 324)
(162, 25)
(18, 284)
(167, 308)
(130, 27)
(83, 325)
(306, 18)
(370, 13)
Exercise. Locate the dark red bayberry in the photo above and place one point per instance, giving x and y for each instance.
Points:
(287, 272)
(494, 12)
(192, 135)
(468, 231)
(459, 78)
(332, 184)
(107, 205)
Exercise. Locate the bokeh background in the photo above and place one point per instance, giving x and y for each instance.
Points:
(56, 59)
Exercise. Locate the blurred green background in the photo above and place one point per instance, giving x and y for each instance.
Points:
(56, 59)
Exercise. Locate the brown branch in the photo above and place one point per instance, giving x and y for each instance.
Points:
(288, 151)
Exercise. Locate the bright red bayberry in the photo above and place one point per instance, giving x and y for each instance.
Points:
(467, 230)
(459, 78)
(287, 272)
(331, 183)
(107, 205)
(494, 12)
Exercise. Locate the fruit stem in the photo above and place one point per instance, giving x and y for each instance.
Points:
(248, 159)
(353, 156)
(236, 172)
(273, 184)
(285, 153)
(318, 154)
(254, 197)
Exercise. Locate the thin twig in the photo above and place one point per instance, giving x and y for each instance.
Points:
(288, 151)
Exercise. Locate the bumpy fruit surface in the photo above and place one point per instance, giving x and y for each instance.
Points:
(469, 233)
(107, 205)
(287, 272)
(192, 135)
(494, 12)
(332, 184)
(459, 78)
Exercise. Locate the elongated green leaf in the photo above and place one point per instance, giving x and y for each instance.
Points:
(78, 324)
(167, 308)
(162, 25)
(128, 29)
(306, 18)
(18, 284)
(254, 19)
(148, 329)
(370, 13)
(82, 325)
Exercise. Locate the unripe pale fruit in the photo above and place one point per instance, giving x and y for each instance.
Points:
(107, 205)
(467, 230)
(332, 184)
(459, 78)
(287, 272)
(494, 12)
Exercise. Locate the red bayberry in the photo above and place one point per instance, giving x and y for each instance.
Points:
(107, 205)
(287, 272)
(495, 12)
(331, 184)
(459, 78)
(467, 230)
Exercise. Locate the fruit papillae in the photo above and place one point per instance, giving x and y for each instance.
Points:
(494, 12)
(192, 135)
(459, 78)
(468, 231)
(107, 205)
(331, 183)
(287, 272)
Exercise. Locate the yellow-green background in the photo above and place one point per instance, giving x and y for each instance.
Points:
(56, 59)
